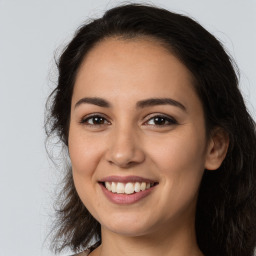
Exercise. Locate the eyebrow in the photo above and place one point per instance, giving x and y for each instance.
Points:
(160, 101)
(95, 101)
(140, 104)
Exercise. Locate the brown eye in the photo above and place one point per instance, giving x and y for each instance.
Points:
(161, 121)
(95, 120)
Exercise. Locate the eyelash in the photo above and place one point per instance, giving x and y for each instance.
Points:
(86, 119)
(170, 120)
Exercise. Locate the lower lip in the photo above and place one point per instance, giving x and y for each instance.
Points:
(124, 198)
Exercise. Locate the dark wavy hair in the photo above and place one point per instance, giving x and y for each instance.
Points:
(226, 208)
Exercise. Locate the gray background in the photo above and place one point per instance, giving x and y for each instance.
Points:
(30, 33)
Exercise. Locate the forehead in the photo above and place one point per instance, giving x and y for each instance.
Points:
(136, 67)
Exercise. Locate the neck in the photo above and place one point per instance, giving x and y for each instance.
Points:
(178, 242)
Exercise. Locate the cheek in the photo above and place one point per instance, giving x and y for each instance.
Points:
(187, 149)
(84, 152)
(180, 162)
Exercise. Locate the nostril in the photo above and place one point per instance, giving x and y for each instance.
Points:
(123, 164)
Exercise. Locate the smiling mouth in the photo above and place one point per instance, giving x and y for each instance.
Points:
(127, 188)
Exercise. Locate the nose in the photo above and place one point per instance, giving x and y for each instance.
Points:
(125, 149)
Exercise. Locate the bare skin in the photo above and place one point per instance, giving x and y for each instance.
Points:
(121, 136)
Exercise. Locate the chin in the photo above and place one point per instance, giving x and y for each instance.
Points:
(128, 230)
(128, 225)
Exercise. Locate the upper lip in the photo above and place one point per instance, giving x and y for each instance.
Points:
(125, 179)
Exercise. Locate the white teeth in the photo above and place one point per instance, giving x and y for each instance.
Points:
(108, 185)
(120, 188)
(113, 187)
(137, 187)
(143, 186)
(127, 188)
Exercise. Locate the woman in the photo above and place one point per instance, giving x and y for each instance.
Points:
(161, 145)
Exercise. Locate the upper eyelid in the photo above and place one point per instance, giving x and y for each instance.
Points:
(158, 114)
(95, 114)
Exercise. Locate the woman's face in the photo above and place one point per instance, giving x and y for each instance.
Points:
(137, 128)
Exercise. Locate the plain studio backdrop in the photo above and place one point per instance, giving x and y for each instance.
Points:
(30, 33)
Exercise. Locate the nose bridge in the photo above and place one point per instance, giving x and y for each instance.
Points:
(125, 149)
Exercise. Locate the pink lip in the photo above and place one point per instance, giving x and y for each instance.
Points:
(124, 198)
(126, 179)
